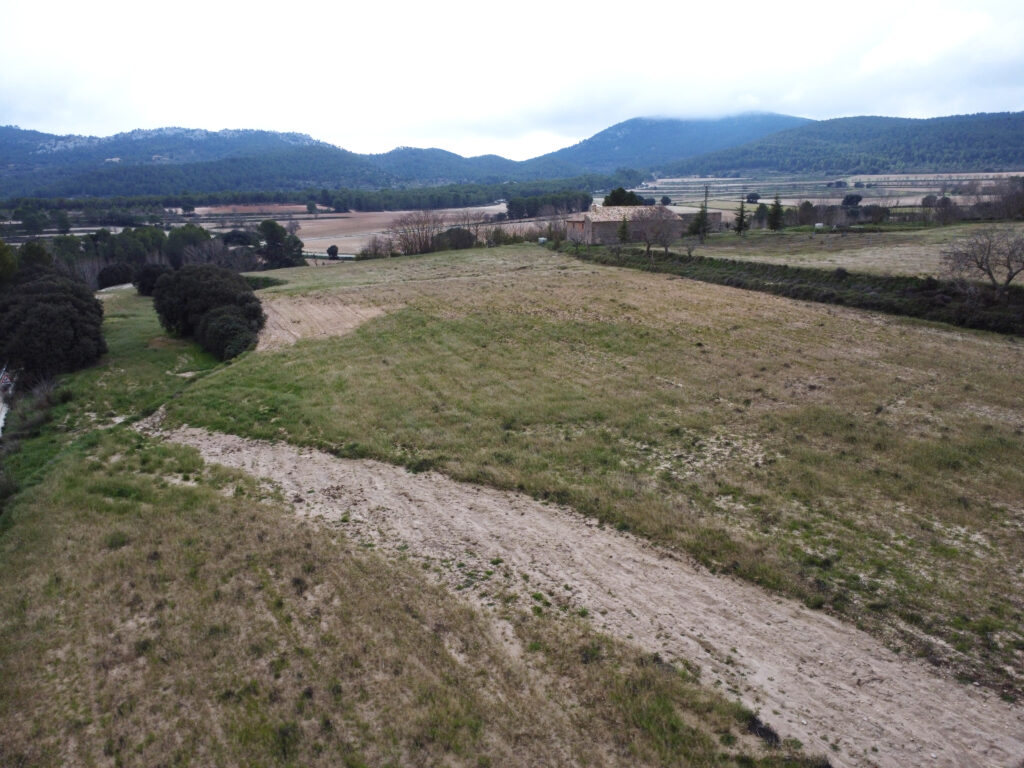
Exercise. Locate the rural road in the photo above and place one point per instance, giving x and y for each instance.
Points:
(836, 689)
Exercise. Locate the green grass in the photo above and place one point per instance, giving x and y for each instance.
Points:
(155, 609)
(871, 467)
(144, 368)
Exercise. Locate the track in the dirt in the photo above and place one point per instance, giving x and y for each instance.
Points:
(836, 689)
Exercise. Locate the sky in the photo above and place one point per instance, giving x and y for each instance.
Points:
(514, 79)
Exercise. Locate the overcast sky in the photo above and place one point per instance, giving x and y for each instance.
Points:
(514, 78)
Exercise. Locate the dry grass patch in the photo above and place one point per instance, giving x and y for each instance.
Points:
(158, 610)
(826, 452)
(915, 252)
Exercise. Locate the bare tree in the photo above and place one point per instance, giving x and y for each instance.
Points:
(470, 219)
(292, 225)
(378, 247)
(215, 252)
(576, 238)
(656, 225)
(414, 232)
(994, 253)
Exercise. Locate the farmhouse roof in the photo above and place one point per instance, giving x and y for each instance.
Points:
(609, 213)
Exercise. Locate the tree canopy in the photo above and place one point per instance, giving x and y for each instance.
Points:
(619, 196)
(181, 298)
(280, 249)
(49, 324)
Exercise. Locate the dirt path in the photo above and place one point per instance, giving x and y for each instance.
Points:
(811, 677)
(292, 318)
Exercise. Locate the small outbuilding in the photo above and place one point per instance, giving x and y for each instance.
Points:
(600, 225)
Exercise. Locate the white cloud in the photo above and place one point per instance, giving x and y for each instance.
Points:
(475, 78)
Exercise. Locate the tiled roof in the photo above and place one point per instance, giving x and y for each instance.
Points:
(613, 212)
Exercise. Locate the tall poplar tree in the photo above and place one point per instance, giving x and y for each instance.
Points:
(775, 222)
(742, 220)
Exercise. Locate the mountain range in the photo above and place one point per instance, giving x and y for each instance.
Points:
(168, 161)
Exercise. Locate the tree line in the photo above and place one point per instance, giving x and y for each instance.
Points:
(36, 214)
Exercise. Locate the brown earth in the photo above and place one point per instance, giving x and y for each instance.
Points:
(290, 318)
(836, 689)
(349, 231)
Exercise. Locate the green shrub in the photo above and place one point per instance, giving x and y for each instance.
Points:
(454, 239)
(182, 298)
(146, 277)
(259, 282)
(225, 332)
(114, 274)
(49, 324)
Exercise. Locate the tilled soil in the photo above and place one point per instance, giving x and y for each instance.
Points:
(292, 318)
(811, 677)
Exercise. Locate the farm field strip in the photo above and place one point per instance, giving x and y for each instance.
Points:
(867, 464)
(834, 688)
(160, 609)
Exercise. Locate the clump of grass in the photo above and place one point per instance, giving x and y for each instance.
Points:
(116, 540)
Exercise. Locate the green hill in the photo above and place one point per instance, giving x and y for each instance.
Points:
(981, 142)
(648, 142)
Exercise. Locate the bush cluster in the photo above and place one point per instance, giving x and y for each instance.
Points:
(115, 274)
(225, 332)
(146, 277)
(453, 239)
(49, 324)
(212, 304)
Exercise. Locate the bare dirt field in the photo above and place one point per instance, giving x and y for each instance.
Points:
(349, 231)
(271, 209)
(811, 677)
(291, 318)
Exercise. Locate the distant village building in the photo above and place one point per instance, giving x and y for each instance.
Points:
(600, 225)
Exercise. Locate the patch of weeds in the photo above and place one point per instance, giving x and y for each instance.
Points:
(763, 731)
(143, 646)
(286, 740)
(116, 540)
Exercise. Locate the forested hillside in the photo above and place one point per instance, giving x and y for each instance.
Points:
(173, 160)
(648, 143)
(982, 142)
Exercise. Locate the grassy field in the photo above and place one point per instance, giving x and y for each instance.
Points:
(156, 610)
(870, 465)
(915, 252)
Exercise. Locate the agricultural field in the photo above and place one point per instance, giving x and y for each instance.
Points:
(502, 506)
(913, 251)
(349, 231)
(889, 190)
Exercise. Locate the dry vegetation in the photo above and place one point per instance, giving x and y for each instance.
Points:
(189, 619)
(909, 252)
(868, 464)
(157, 610)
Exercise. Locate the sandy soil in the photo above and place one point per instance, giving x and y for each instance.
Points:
(292, 318)
(811, 677)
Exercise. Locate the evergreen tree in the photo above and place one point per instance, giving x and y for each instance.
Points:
(775, 222)
(623, 232)
(701, 225)
(742, 221)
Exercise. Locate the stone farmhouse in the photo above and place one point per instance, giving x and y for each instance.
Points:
(600, 225)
